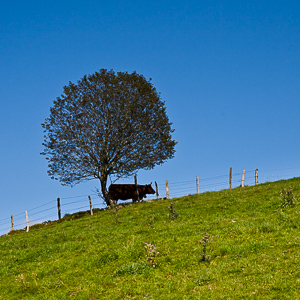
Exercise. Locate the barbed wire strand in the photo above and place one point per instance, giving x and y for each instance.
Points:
(175, 189)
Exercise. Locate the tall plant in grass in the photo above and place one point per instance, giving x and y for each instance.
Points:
(151, 254)
(288, 198)
(173, 214)
(204, 243)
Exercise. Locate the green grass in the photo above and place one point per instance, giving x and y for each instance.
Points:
(256, 254)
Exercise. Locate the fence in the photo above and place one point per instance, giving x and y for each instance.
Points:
(217, 183)
(52, 210)
(49, 211)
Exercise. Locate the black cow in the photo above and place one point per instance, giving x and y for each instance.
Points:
(128, 191)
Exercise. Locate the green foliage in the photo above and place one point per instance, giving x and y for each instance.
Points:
(204, 279)
(287, 197)
(173, 214)
(108, 124)
(255, 256)
(204, 243)
(134, 268)
(107, 257)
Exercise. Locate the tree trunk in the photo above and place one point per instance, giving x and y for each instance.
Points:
(105, 193)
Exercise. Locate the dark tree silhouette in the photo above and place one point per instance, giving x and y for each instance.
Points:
(107, 124)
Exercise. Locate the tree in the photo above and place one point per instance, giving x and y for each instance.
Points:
(108, 124)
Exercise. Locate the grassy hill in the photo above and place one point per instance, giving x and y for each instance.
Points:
(252, 250)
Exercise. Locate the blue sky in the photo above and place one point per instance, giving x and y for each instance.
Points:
(228, 71)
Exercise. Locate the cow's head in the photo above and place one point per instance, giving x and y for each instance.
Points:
(149, 189)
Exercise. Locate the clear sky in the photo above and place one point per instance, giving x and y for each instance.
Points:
(229, 72)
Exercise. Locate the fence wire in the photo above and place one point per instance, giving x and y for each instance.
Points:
(69, 205)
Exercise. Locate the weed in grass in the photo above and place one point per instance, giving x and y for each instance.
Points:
(173, 214)
(151, 254)
(151, 222)
(135, 268)
(204, 242)
(27, 283)
(106, 257)
(21, 279)
(267, 227)
(204, 279)
(287, 197)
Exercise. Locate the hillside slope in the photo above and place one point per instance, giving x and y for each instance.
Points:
(252, 251)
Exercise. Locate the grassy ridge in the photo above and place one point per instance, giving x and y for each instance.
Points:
(253, 249)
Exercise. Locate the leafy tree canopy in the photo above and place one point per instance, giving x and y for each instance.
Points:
(107, 124)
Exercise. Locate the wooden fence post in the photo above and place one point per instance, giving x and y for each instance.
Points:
(256, 177)
(167, 189)
(230, 177)
(27, 221)
(243, 178)
(136, 188)
(197, 180)
(58, 209)
(12, 223)
(91, 209)
(156, 188)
